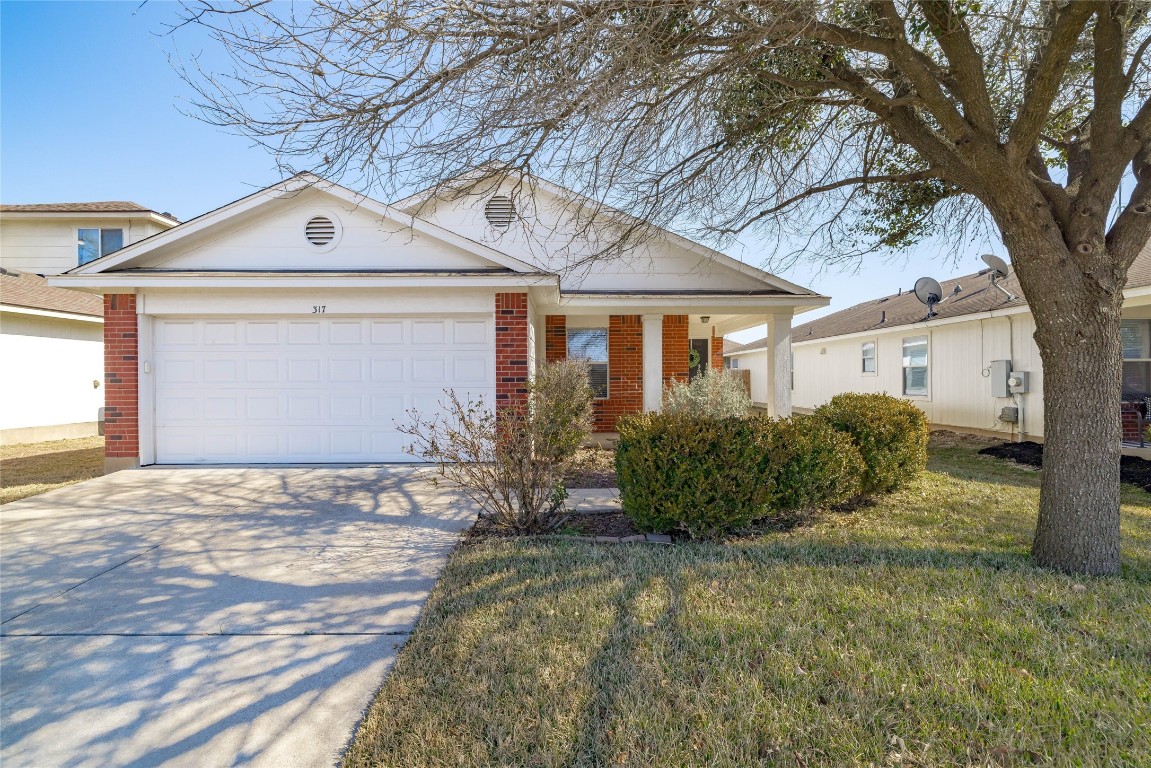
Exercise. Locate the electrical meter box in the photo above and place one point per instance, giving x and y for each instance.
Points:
(1000, 372)
(1017, 382)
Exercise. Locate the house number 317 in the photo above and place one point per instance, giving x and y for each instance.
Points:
(319, 309)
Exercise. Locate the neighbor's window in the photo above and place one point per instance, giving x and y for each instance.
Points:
(591, 344)
(91, 244)
(733, 362)
(1136, 338)
(915, 366)
(867, 353)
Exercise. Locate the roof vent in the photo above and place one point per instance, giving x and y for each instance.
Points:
(320, 231)
(500, 211)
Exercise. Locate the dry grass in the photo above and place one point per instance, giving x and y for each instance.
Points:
(27, 469)
(911, 632)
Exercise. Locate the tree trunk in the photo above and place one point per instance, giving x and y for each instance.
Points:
(1077, 331)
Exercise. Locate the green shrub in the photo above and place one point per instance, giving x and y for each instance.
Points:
(713, 395)
(891, 435)
(811, 464)
(687, 473)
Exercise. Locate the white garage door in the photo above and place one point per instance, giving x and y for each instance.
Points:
(239, 390)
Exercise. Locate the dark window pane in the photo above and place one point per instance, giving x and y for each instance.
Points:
(111, 240)
(88, 245)
(1136, 379)
(597, 378)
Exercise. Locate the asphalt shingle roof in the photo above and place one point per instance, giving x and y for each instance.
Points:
(978, 295)
(22, 289)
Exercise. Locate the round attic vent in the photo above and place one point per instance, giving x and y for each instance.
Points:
(500, 211)
(320, 231)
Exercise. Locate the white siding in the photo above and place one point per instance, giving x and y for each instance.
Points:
(49, 367)
(47, 246)
(756, 362)
(959, 390)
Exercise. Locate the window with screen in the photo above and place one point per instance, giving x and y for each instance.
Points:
(915, 366)
(867, 354)
(590, 344)
(91, 244)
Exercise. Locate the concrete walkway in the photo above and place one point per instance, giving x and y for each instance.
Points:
(210, 616)
(588, 500)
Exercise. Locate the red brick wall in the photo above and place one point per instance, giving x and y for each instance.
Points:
(716, 351)
(675, 348)
(555, 338)
(1129, 416)
(511, 348)
(624, 371)
(121, 378)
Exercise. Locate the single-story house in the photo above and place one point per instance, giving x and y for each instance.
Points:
(974, 366)
(51, 339)
(303, 322)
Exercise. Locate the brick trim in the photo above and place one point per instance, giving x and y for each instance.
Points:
(675, 348)
(716, 351)
(121, 378)
(511, 312)
(555, 338)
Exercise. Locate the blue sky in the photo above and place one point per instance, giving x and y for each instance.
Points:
(91, 109)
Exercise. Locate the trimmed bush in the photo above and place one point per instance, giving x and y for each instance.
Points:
(711, 395)
(697, 475)
(891, 435)
(812, 464)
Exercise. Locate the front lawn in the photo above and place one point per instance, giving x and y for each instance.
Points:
(912, 632)
(27, 469)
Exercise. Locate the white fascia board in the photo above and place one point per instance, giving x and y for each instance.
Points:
(149, 215)
(293, 186)
(677, 304)
(739, 352)
(51, 313)
(121, 282)
(919, 326)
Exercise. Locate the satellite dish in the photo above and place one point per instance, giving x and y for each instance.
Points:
(997, 264)
(928, 290)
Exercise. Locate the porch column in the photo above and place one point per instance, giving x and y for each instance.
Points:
(779, 364)
(652, 362)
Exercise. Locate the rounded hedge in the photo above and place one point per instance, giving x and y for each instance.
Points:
(891, 435)
(812, 464)
(697, 475)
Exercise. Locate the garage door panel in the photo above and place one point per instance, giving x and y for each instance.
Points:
(324, 390)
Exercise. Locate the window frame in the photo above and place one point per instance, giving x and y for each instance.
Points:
(99, 242)
(874, 358)
(925, 340)
(606, 362)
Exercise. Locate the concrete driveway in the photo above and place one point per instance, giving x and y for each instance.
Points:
(210, 616)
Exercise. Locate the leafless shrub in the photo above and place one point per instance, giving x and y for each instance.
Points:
(713, 394)
(511, 461)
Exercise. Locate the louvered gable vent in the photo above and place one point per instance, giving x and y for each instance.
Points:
(500, 211)
(320, 231)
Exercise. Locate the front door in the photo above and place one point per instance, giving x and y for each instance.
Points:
(697, 358)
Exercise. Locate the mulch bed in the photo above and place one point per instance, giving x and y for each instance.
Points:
(601, 524)
(594, 468)
(1132, 469)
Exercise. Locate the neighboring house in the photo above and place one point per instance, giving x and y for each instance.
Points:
(303, 322)
(51, 339)
(957, 365)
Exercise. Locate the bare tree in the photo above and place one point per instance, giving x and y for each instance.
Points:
(862, 125)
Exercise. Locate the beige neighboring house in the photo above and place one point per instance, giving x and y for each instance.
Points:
(974, 366)
(52, 339)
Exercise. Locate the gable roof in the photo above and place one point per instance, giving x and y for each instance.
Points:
(904, 308)
(22, 289)
(286, 189)
(100, 206)
(781, 286)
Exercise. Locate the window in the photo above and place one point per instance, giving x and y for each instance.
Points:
(915, 366)
(733, 362)
(590, 344)
(91, 244)
(1136, 338)
(867, 353)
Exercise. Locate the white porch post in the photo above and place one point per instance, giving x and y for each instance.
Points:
(779, 363)
(652, 362)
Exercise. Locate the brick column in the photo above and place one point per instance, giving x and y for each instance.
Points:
(624, 371)
(121, 383)
(555, 338)
(675, 347)
(716, 351)
(511, 348)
